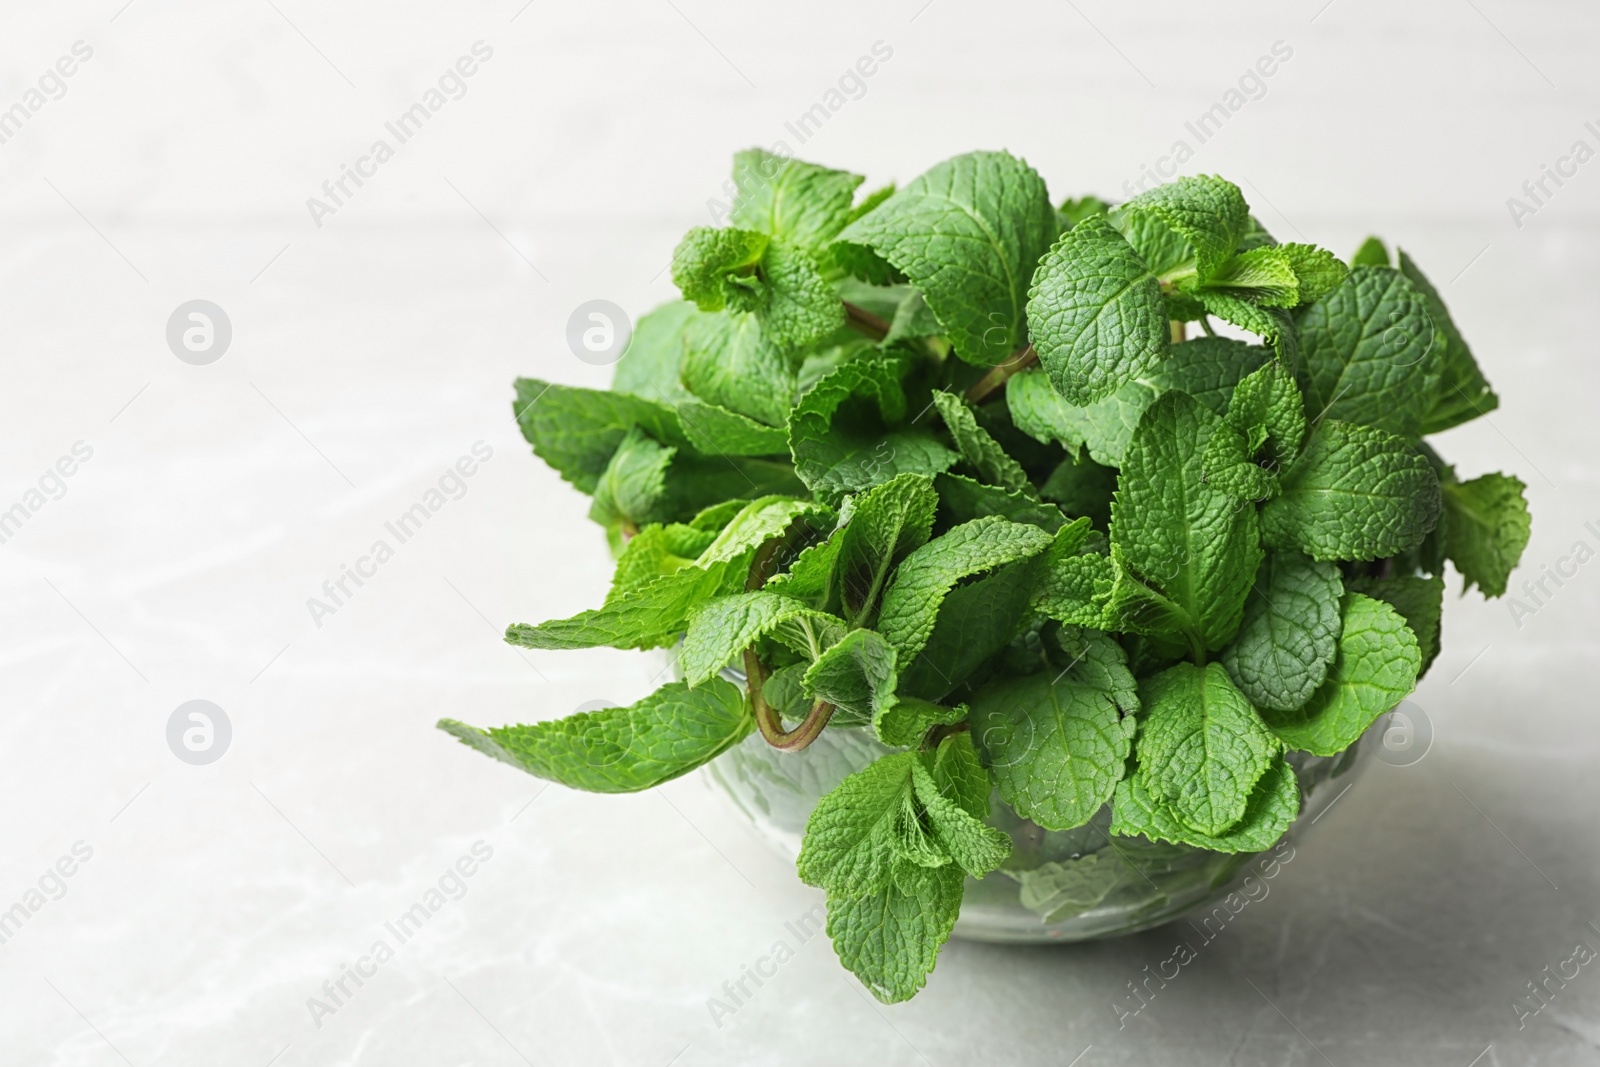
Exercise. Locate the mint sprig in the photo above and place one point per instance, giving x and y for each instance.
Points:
(943, 464)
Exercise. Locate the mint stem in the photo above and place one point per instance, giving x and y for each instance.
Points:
(864, 321)
(767, 719)
(1002, 373)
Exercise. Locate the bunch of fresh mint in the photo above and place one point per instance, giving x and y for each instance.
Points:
(942, 463)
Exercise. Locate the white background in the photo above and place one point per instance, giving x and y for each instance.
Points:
(372, 351)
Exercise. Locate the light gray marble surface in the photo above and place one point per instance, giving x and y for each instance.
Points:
(372, 351)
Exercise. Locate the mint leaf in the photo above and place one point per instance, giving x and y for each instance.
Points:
(631, 488)
(1267, 401)
(1208, 368)
(653, 614)
(655, 551)
(848, 847)
(1419, 600)
(649, 366)
(857, 675)
(977, 849)
(717, 268)
(1186, 540)
(927, 575)
(1074, 210)
(1104, 427)
(1463, 394)
(1369, 354)
(1317, 271)
(1056, 749)
(849, 433)
(622, 750)
(576, 431)
(975, 621)
(978, 448)
(802, 203)
(908, 719)
(1290, 632)
(1095, 313)
(721, 630)
(1372, 253)
(1377, 667)
(802, 306)
(1265, 276)
(1098, 662)
(1355, 493)
(1056, 891)
(889, 938)
(1488, 527)
(1208, 212)
(962, 499)
(960, 775)
(1137, 811)
(730, 362)
(887, 523)
(1082, 488)
(1073, 585)
(1271, 324)
(1202, 748)
(749, 272)
(968, 234)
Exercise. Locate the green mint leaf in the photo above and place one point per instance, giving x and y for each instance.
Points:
(1419, 600)
(968, 234)
(908, 719)
(1095, 313)
(1487, 527)
(717, 432)
(1290, 632)
(655, 551)
(1202, 748)
(650, 365)
(802, 306)
(576, 431)
(1228, 466)
(1271, 324)
(721, 630)
(802, 203)
(1137, 811)
(1056, 749)
(1463, 393)
(1372, 253)
(848, 847)
(622, 750)
(857, 675)
(1073, 585)
(1208, 369)
(1378, 663)
(717, 268)
(634, 482)
(927, 576)
(870, 202)
(1208, 212)
(979, 449)
(1264, 276)
(1104, 427)
(849, 433)
(1317, 271)
(887, 523)
(975, 622)
(977, 849)
(1355, 493)
(962, 499)
(1098, 662)
(1183, 538)
(731, 363)
(1268, 399)
(653, 614)
(1082, 488)
(1369, 353)
(959, 773)
(890, 938)
(1073, 211)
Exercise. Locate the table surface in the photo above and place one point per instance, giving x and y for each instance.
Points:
(373, 345)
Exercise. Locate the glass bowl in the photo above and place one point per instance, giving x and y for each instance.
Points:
(1066, 885)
